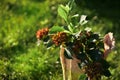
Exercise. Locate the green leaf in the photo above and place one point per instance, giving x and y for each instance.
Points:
(95, 55)
(81, 56)
(56, 29)
(105, 64)
(68, 53)
(100, 44)
(63, 11)
(46, 38)
(107, 73)
(81, 65)
(83, 20)
(49, 44)
(70, 27)
(67, 8)
(88, 29)
(66, 31)
(82, 77)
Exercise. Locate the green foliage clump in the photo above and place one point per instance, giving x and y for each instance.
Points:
(81, 43)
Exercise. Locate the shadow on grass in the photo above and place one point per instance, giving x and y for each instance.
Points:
(107, 9)
(104, 8)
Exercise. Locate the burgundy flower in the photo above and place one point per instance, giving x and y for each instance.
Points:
(59, 38)
(109, 43)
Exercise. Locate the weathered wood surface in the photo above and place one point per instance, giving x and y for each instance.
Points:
(70, 68)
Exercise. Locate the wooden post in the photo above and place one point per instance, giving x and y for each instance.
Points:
(70, 68)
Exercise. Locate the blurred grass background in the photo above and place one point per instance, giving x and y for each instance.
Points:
(22, 59)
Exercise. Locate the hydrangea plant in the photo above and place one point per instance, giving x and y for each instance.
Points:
(87, 46)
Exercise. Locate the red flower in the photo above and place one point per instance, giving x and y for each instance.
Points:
(42, 32)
